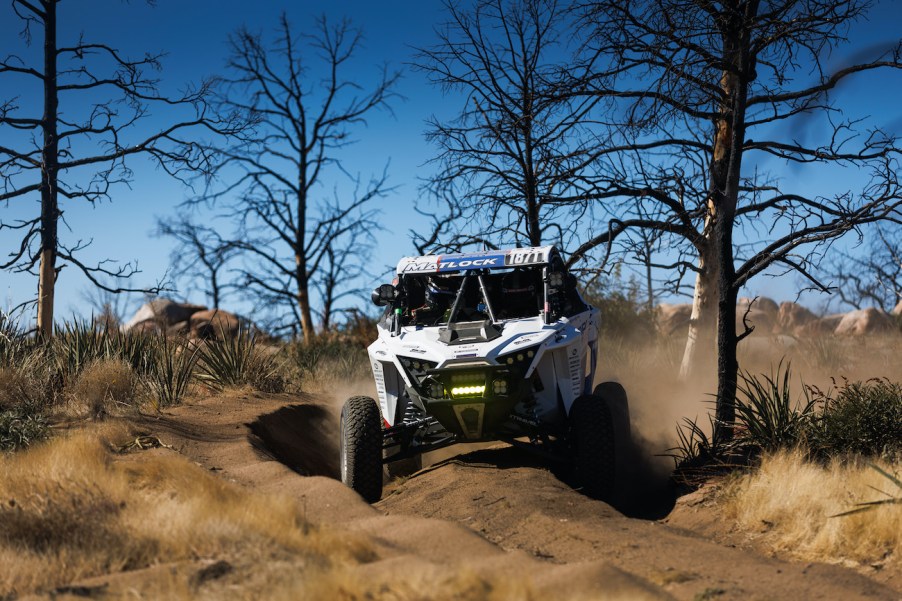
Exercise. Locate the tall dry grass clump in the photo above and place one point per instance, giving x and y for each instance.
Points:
(19, 387)
(71, 510)
(104, 387)
(791, 505)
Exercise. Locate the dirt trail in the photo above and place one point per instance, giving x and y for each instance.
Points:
(493, 510)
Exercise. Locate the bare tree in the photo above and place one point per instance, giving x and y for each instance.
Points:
(872, 276)
(108, 309)
(513, 151)
(695, 94)
(201, 255)
(302, 122)
(94, 97)
(344, 272)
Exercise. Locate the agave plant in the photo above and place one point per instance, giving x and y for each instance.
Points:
(76, 345)
(233, 361)
(21, 427)
(171, 371)
(769, 419)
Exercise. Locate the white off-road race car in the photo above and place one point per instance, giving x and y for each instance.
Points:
(486, 346)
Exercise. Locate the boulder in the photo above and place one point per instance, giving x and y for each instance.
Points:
(212, 323)
(672, 319)
(822, 326)
(163, 311)
(864, 321)
(793, 316)
(762, 303)
(763, 321)
(148, 326)
(179, 329)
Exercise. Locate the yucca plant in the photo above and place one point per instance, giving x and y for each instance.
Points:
(75, 346)
(21, 427)
(768, 418)
(13, 344)
(171, 372)
(233, 361)
(136, 349)
(697, 455)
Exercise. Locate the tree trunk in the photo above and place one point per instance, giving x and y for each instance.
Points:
(307, 327)
(49, 176)
(700, 338)
(726, 176)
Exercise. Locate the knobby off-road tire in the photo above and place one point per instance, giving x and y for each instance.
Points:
(592, 436)
(615, 396)
(361, 447)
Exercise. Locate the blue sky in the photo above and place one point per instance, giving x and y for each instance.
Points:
(194, 33)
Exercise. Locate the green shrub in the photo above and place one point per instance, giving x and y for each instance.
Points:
(863, 418)
(622, 314)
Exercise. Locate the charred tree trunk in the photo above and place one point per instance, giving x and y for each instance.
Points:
(49, 177)
(303, 295)
(726, 178)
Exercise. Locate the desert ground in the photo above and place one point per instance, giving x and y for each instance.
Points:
(231, 492)
(490, 523)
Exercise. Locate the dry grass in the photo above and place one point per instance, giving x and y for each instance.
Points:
(18, 387)
(788, 502)
(71, 510)
(148, 522)
(103, 387)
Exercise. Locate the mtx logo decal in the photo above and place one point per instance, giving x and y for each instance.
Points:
(418, 266)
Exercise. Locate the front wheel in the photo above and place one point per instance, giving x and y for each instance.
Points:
(592, 438)
(361, 447)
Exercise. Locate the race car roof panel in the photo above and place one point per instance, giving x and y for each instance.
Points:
(487, 259)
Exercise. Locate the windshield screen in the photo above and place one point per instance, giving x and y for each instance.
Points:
(513, 294)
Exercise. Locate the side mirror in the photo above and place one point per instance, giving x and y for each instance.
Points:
(384, 295)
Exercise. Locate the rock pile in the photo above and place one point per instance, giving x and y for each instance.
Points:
(786, 319)
(184, 319)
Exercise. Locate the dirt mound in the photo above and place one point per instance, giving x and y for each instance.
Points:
(495, 515)
(521, 506)
(303, 437)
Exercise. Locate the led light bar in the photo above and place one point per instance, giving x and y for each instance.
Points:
(468, 390)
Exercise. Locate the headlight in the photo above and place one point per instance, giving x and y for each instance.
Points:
(416, 366)
(520, 359)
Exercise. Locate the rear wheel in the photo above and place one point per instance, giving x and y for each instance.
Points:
(361, 447)
(615, 396)
(592, 437)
